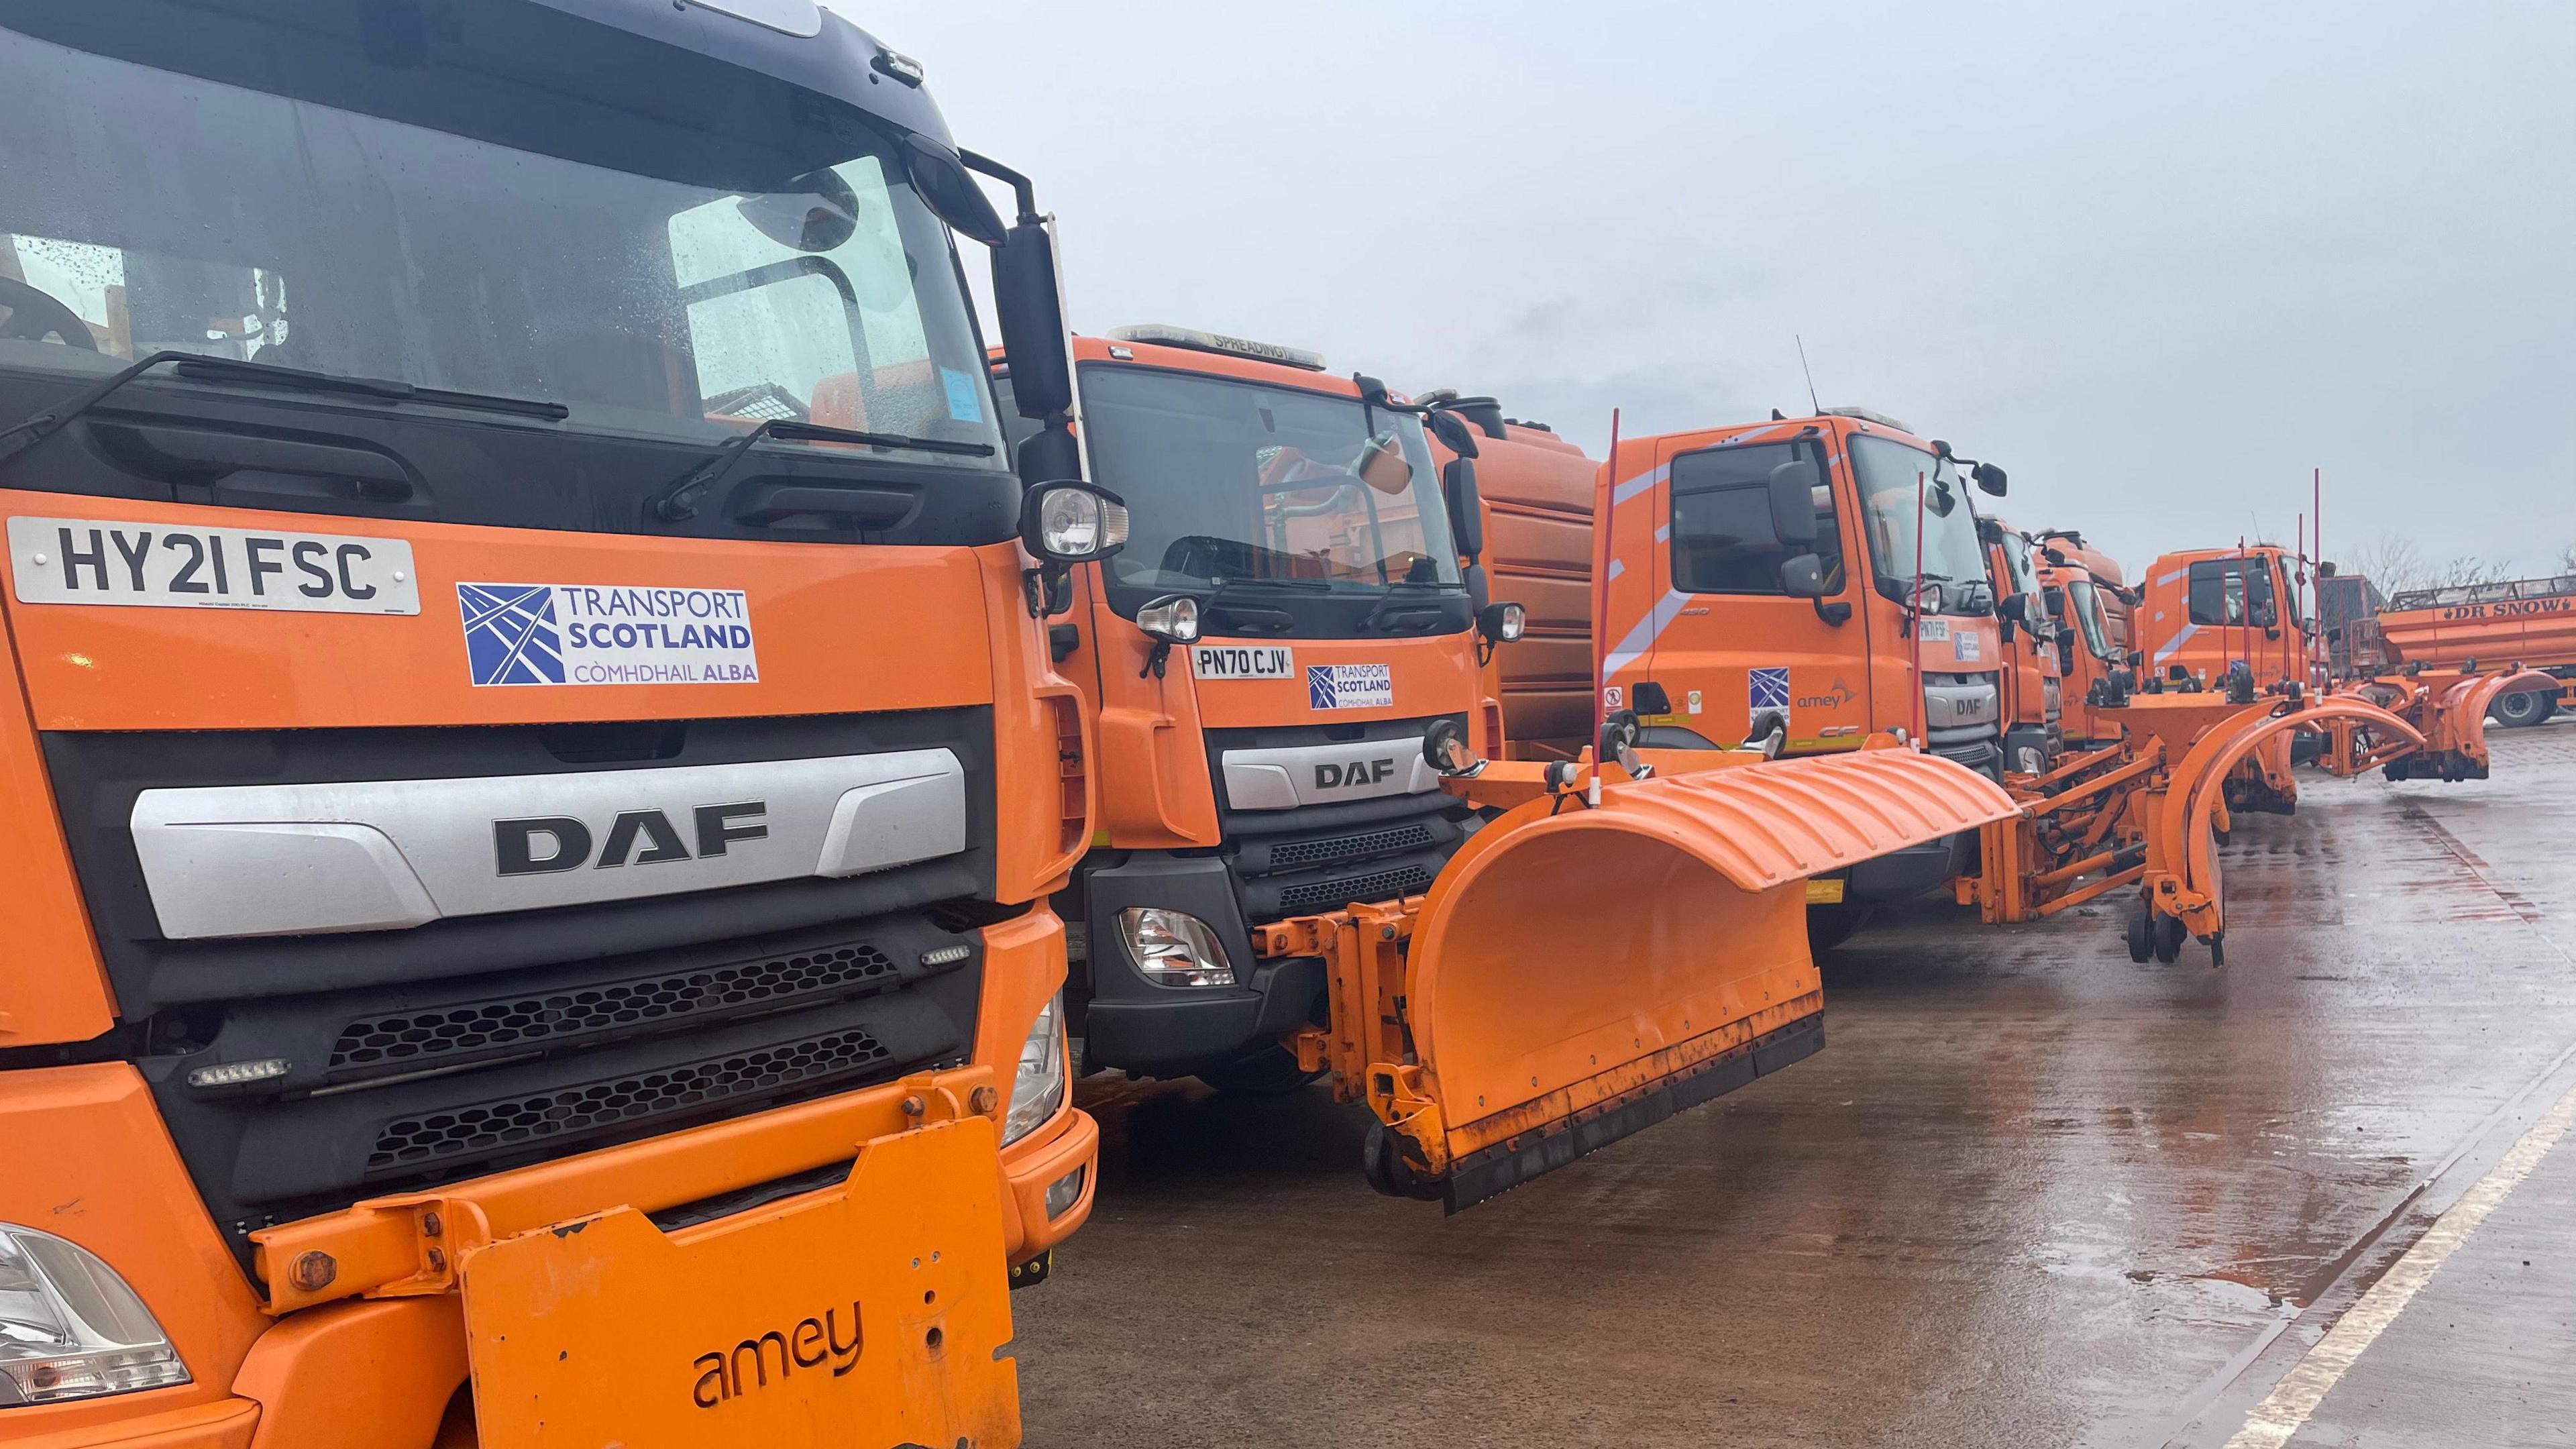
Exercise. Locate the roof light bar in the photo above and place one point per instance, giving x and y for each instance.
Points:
(1163, 335)
(1867, 416)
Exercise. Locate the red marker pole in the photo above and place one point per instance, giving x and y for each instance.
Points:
(1919, 485)
(1603, 492)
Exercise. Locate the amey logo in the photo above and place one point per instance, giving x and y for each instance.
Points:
(1841, 695)
(809, 1345)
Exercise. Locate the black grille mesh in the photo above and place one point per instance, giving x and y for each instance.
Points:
(473, 1026)
(1350, 847)
(411, 1141)
(1332, 895)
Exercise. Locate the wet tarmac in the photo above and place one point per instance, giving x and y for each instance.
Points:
(2031, 1193)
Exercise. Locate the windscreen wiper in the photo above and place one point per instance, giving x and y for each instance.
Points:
(197, 366)
(680, 500)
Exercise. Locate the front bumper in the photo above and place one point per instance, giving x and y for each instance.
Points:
(1133, 1024)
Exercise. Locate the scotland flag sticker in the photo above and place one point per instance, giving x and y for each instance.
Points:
(1350, 686)
(600, 634)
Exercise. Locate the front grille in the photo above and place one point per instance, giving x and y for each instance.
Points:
(1337, 848)
(588, 1011)
(489, 1126)
(1332, 895)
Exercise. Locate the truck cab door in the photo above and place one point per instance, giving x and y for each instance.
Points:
(1740, 644)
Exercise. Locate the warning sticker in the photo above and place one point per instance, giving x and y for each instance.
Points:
(1767, 689)
(1350, 686)
(603, 634)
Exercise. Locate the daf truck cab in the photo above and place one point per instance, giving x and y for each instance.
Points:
(2033, 680)
(2077, 614)
(530, 780)
(1796, 586)
(1266, 658)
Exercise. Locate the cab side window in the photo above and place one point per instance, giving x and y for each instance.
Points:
(1722, 538)
(2218, 592)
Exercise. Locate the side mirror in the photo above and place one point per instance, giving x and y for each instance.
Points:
(1988, 478)
(939, 176)
(2066, 636)
(1802, 576)
(2326, 570)
(1466, 506)
(1650, 697)
(1453, 432)
(1793, 502)
(2137, 659)
(1032, 316)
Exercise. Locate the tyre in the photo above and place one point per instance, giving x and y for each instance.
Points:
(2142, 933)
(1269, 1071)
(1830, 926)
(2523, 710)
(2169, 938)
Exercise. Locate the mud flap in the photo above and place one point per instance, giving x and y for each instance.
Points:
(873, 1314)
(1577, 974)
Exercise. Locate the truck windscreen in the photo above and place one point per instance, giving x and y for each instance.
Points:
(1888, 472)
(1237, 482)
(682, 281)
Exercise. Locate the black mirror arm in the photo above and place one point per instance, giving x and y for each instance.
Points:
(1025, 190)
(1836, 613)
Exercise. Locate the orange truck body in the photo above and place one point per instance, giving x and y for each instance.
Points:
(1696, 607)
(2119, 601)
(614, 985)
(1273, 766)
(2033, 680)
(2077, 606)
(2208, 610)
(2531, 622)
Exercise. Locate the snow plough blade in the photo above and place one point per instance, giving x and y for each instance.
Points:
(2451, 711)
(1579, 972)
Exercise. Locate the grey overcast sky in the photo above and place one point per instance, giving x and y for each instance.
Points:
(2159, 260)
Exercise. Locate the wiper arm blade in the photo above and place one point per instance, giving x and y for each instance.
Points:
(196, 365)
(680, 500)
(192, 365)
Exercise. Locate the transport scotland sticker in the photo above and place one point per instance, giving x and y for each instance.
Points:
(1349, 686)
(604, 634)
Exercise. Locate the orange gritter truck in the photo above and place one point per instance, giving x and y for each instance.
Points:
(530, 772)
(1314, 859)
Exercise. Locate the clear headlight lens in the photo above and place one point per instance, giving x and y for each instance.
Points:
(1037, 1088)
(1075, 523)
(1174, 948)
(1515, 620)
(1175, 618)
(70, 1328)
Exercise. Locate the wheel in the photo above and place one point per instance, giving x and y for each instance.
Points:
(2169, 938)
(2523, 710)
(1269, 1071)
(1830, 926)
(2142, 933)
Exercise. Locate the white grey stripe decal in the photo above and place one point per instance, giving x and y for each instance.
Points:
(2177, 642)
(1648, 630)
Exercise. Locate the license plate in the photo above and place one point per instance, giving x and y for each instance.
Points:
(1825, 891)
(869, 1314)
(1237, 661)
(164, 566)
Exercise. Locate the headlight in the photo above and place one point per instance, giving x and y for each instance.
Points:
(1037, 1088)
(1174, 948)
(1515, 619)
(70, 1328)
(1072, 522)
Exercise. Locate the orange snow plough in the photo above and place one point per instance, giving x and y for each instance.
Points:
(1623, 941)
(2445, 711)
